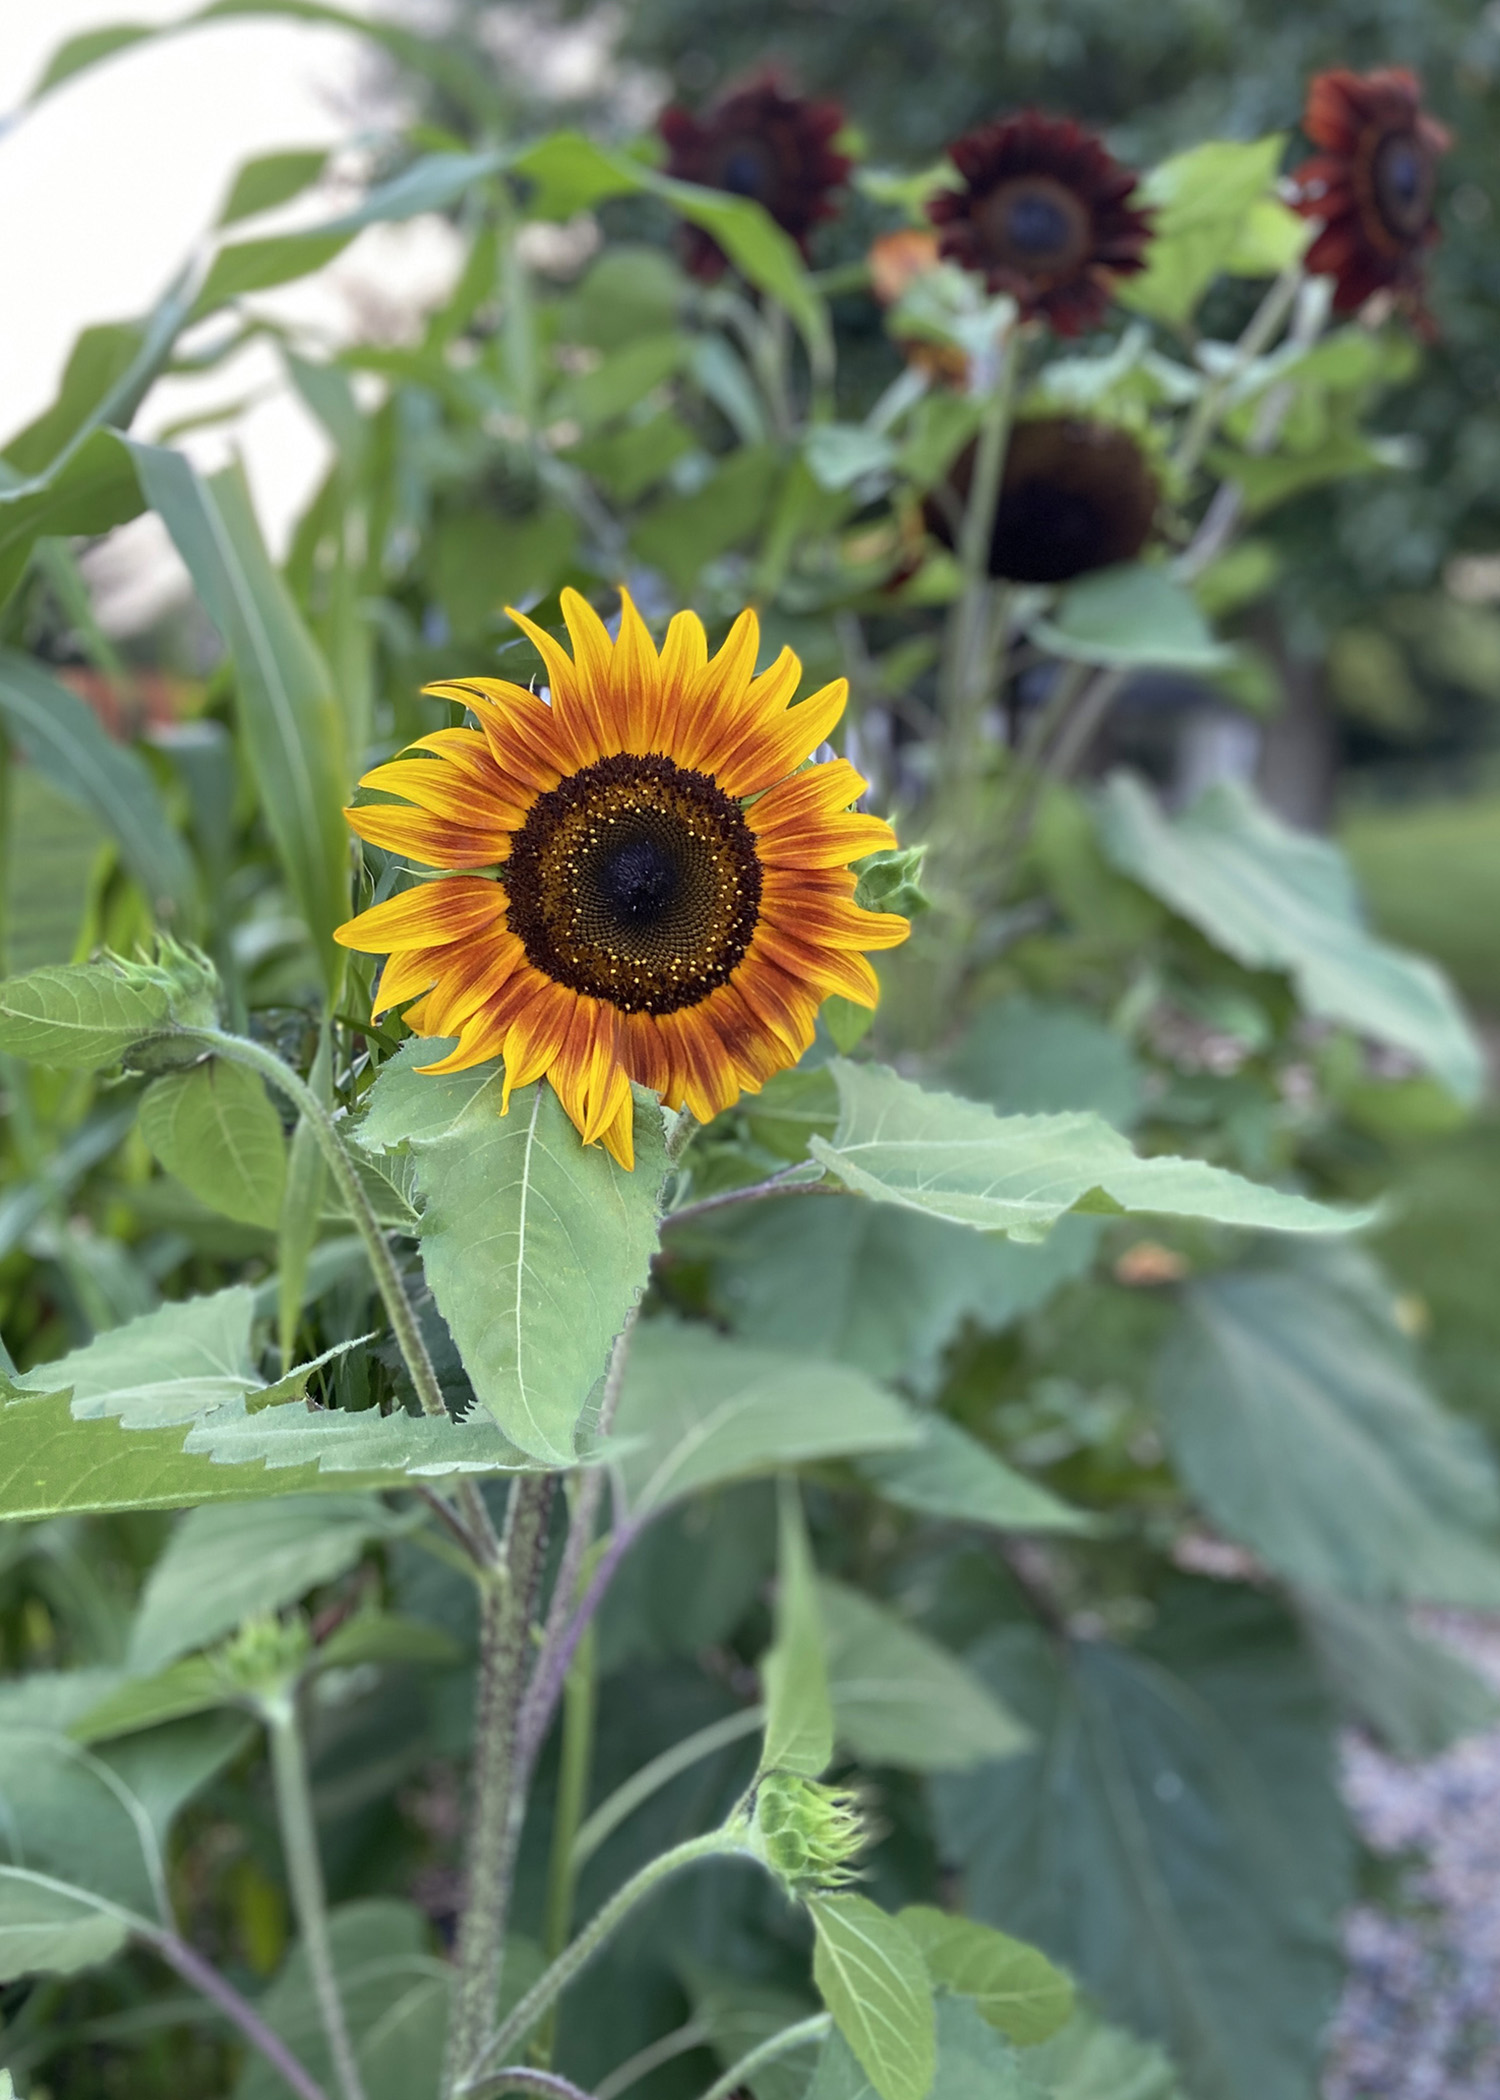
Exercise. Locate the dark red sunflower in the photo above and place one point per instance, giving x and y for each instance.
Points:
(1045, 214)
(1373, 185)
(1075, 496)
(763, 142)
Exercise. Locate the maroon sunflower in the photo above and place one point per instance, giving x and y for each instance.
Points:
(761, 142)
(1373, 185)
(1045, 214)
(1076, 496)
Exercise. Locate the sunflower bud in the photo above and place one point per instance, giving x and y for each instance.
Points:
(891, 880)
(264, 1654)
(808, 1834)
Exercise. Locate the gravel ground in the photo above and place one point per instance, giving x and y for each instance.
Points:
(1420, 2018)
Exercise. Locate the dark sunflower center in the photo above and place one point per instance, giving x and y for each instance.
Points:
(1034, 223)
(1045, 533)
(1404, 179)
(635, 881)
(747, 169)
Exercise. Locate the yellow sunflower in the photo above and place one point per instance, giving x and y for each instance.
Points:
(673, 899)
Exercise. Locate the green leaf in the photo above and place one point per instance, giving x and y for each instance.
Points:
(53, 1463)
(1014, 1987)
(215, 1129)
(951, 1474)
(271, 179)
(395, 1993)
(223, 1566)
(1131, 616)
(93, 488)
(1032, 1057)
(1389, 1497)
(536, 1245)
(83, 1017)
(65, 1812)
(954, 1159)
(193, 1686)
(840, 454)
(799, 1716)
(1277, 899)
(698, 1409)
(257, 266)
(888, 1682)
(1206, 203)
(881, 1288)
(292, 725)
(1417, 1696)
(1189, 1786)
(1090, 2060)
(972, 2064)
(874, 1982)
(165, 1367)
(47, 1930)
(63, 738)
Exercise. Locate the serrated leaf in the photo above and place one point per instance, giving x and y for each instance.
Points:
(873, 1980)
(215, 1129)
(951, 1474)
(222, 1566)
(698, 1409)
(799, 1716)
(899, 1698)
(1091, 2060)
(1389, 1497)
(958, 1160)
(166, 1367)
(972, 2064)
(1277, 899)
(536, 1245)
(81, 1017)
(45, 1930)
(1014, 1987)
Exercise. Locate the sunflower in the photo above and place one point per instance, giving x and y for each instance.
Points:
(674, 897)
(1044, 214)
(1075, 496)
(760, 142)
(1372, 185)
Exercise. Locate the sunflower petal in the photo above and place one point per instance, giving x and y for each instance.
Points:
(435, 841)
(636, 681)
(429, 915)
(766, 756)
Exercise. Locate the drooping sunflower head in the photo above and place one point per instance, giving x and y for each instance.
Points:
(758, 141)
(642, 877)
(1045, 214)
(1373, 185)
(1076, 495)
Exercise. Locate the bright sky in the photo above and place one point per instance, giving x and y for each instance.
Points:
(108, 183)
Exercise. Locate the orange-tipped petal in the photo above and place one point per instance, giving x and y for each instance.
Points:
(430, 915)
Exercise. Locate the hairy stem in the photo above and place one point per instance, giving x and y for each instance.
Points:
(507, 1601)
(716, 1844)
(811, 2029)
(525, 2078)
(299, 1845)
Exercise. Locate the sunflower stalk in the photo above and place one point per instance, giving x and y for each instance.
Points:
(507, 1601)
(1259, 333)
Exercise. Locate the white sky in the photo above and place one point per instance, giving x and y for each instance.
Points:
(108, 183)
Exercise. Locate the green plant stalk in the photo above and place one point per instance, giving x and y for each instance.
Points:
(641, 1785)
(299, 1845)
(256, 1058)
(812, 2029)
(507, 1601)
(1257, 336)
(580, 1707)
(726, 1842)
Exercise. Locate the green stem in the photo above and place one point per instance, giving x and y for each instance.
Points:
(641, 1785)
(507, 1600)
(1260, 331)
(239, 1049)
(299, 1844)
(738, 2075)
(715, 1844)
(575, 1766)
